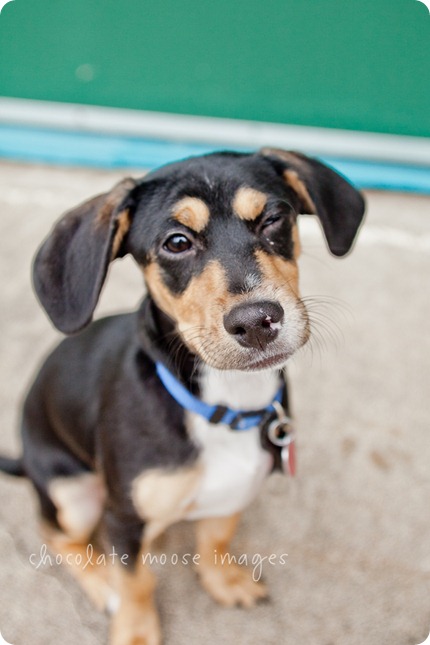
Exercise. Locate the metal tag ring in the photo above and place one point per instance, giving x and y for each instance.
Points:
(273, 429)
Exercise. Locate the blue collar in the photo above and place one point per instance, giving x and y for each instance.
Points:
(236, 419)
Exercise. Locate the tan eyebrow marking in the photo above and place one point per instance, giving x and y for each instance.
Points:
(249, 203)
(192, 212)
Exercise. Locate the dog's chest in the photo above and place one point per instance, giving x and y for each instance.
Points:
(234, 463)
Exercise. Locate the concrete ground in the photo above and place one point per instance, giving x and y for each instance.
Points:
(355, 523)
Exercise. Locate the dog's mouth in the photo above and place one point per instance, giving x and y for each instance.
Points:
(257, 360)
(276, 361)
(229, 357)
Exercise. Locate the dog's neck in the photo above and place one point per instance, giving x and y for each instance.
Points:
(233, 388)
(238, 389)
(160, 340)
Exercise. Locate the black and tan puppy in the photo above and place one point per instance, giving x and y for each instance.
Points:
(148, 418)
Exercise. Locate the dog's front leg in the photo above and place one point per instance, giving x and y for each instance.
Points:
(226, 581)
(136, 621)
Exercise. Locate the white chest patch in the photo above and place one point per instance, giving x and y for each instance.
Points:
(234, 463)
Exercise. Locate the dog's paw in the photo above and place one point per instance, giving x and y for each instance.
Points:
(135, 625)
(136, 639)
(233, 585)
(100, 592)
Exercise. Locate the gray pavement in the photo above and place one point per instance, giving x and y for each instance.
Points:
(355, 523)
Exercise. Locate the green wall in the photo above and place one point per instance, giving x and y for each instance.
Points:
(356, 64)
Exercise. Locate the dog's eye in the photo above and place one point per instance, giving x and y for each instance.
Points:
(177, 243)
(269, 221)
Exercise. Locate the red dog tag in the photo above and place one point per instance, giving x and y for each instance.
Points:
(288, 457)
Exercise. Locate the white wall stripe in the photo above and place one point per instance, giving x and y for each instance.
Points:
(229, 132)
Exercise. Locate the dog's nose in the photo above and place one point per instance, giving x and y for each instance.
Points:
(255, 324)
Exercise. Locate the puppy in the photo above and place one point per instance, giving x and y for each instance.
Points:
(179, 410)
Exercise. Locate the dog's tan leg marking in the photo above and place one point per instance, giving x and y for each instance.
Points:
(79, 501)
(162, 498)
(84, 563)
(227, 582)
(136, 621)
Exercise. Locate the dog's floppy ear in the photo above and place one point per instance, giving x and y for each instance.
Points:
(323, 192)
(71, 265)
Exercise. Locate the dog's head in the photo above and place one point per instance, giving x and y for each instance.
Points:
(216, 237)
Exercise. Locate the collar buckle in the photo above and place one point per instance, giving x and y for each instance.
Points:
(244, 420)
(218, 415)
(276, 430)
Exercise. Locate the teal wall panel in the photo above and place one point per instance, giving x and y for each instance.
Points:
(361, 64)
